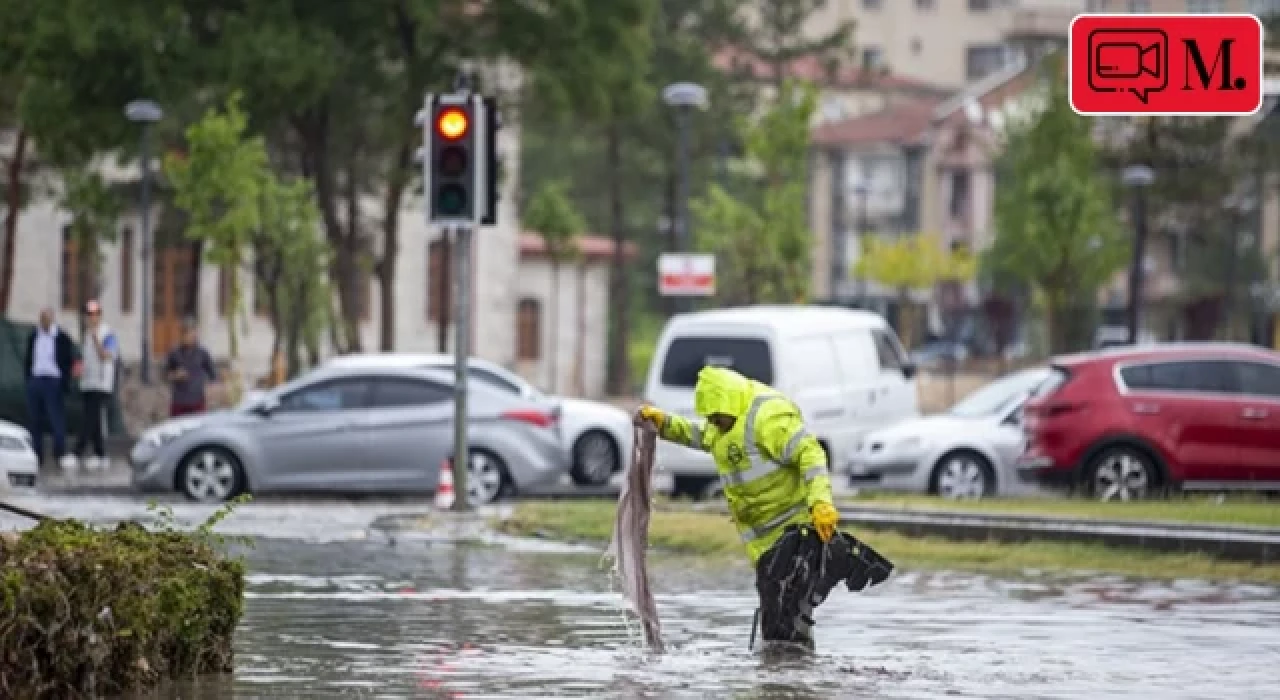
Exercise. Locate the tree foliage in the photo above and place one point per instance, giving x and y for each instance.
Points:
(918, 261)
(763, 241)
(291, 260)
(219, 184)
(239, 207)
(1056, 222)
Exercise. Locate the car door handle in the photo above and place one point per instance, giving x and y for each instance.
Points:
(1146, 408)
(829, 413)
(1254, 413)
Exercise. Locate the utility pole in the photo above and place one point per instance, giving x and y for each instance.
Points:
(1139, 178)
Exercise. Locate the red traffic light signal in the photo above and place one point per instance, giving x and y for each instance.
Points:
(453, 123)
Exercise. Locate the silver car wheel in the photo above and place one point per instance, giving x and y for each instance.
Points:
(209, 477)
(596, 456)
(484, 479)
(961, 477)
(1121, 476)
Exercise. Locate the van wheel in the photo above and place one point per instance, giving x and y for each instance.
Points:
(695, 487)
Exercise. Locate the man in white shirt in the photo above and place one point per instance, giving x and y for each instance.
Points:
(99, 352)
(49, 364)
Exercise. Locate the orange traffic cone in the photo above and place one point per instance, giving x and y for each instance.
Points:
(444, 488)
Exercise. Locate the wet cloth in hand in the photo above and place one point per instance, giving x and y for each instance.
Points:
(631, 534)
(795, 576)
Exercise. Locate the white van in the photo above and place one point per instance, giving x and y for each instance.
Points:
(845, 370)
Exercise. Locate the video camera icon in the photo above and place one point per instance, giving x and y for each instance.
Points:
(1136, 60)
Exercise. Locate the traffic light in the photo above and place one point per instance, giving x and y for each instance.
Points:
(459, 167)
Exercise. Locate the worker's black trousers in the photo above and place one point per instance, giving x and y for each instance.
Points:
(796, 574)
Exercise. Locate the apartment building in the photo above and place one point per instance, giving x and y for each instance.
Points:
(946, 42)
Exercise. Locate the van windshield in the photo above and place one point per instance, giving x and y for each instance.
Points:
(687, 356)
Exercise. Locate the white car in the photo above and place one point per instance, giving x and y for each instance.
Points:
(597, 436)
(967, 452)
(19, 467)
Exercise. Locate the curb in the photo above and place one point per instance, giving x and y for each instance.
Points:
(1251, 544)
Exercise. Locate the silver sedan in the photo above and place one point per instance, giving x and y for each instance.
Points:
(352, 430)
(967, 452)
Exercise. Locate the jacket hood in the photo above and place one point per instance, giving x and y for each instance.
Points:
(721, 390)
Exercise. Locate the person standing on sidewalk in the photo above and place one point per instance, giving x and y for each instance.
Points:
(100, 350)
(189, 368)
(48, 366)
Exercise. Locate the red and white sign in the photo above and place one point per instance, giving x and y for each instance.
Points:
(687, 274)
(1191, 64)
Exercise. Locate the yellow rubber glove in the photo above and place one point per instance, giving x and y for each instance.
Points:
(825, 519)
(652, 415)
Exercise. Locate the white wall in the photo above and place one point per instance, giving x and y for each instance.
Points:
(560, 326)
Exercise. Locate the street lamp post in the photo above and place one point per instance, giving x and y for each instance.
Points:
(1138, 178)
(684, 98)
(146, 113)
(861, 191)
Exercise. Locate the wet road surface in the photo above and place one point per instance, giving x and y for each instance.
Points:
(335, 609)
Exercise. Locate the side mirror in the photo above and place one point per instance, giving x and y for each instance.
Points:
(909, 370)
(266, 406)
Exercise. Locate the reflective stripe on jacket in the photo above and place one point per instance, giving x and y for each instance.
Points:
(772, 469)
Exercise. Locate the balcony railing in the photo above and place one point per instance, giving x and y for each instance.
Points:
(1043, 19)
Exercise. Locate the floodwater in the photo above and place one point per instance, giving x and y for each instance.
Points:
(360, 613)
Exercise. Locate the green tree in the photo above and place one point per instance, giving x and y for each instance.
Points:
(783, 36)
(763, 240)
(291, 261)
(219, 184)
(1056, 223)
(909, 263)
(552, 215)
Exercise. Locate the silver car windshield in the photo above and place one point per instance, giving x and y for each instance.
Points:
(998, 396)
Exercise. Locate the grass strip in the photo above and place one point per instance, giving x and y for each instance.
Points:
(677, 529)
(1249, 510)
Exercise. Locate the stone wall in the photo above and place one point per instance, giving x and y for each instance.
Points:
(144, 405)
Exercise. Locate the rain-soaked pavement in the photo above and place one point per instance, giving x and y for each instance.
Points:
(337, 608)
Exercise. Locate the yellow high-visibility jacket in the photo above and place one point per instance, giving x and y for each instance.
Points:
(772, 469)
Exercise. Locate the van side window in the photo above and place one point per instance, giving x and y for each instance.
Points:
(687, 356)
(887, 351)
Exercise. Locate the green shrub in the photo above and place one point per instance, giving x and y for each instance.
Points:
(90, 612)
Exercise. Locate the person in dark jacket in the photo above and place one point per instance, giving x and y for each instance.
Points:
(49, 366)
(188, 369)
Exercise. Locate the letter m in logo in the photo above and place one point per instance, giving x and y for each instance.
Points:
(1197, 68)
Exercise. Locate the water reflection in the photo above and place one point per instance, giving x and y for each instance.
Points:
(422, 620)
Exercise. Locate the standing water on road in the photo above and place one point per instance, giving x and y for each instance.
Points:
(342, 609)
(439, 620)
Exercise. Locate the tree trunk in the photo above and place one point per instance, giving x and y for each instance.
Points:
(580, 351)
(13, 203)
(313, 130)
(391, 248)
(619, 283)
(191, 306)
(553, 324)
(356, 284)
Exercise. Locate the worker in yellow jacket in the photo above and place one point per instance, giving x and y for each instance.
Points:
(775, 477)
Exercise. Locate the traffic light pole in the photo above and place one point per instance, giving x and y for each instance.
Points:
(461, 350)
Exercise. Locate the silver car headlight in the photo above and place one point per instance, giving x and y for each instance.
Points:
(165, 433)
(9, 443)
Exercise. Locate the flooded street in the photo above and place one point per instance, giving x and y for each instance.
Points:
(367, 615)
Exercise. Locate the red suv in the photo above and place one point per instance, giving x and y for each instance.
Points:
(1124, 423)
